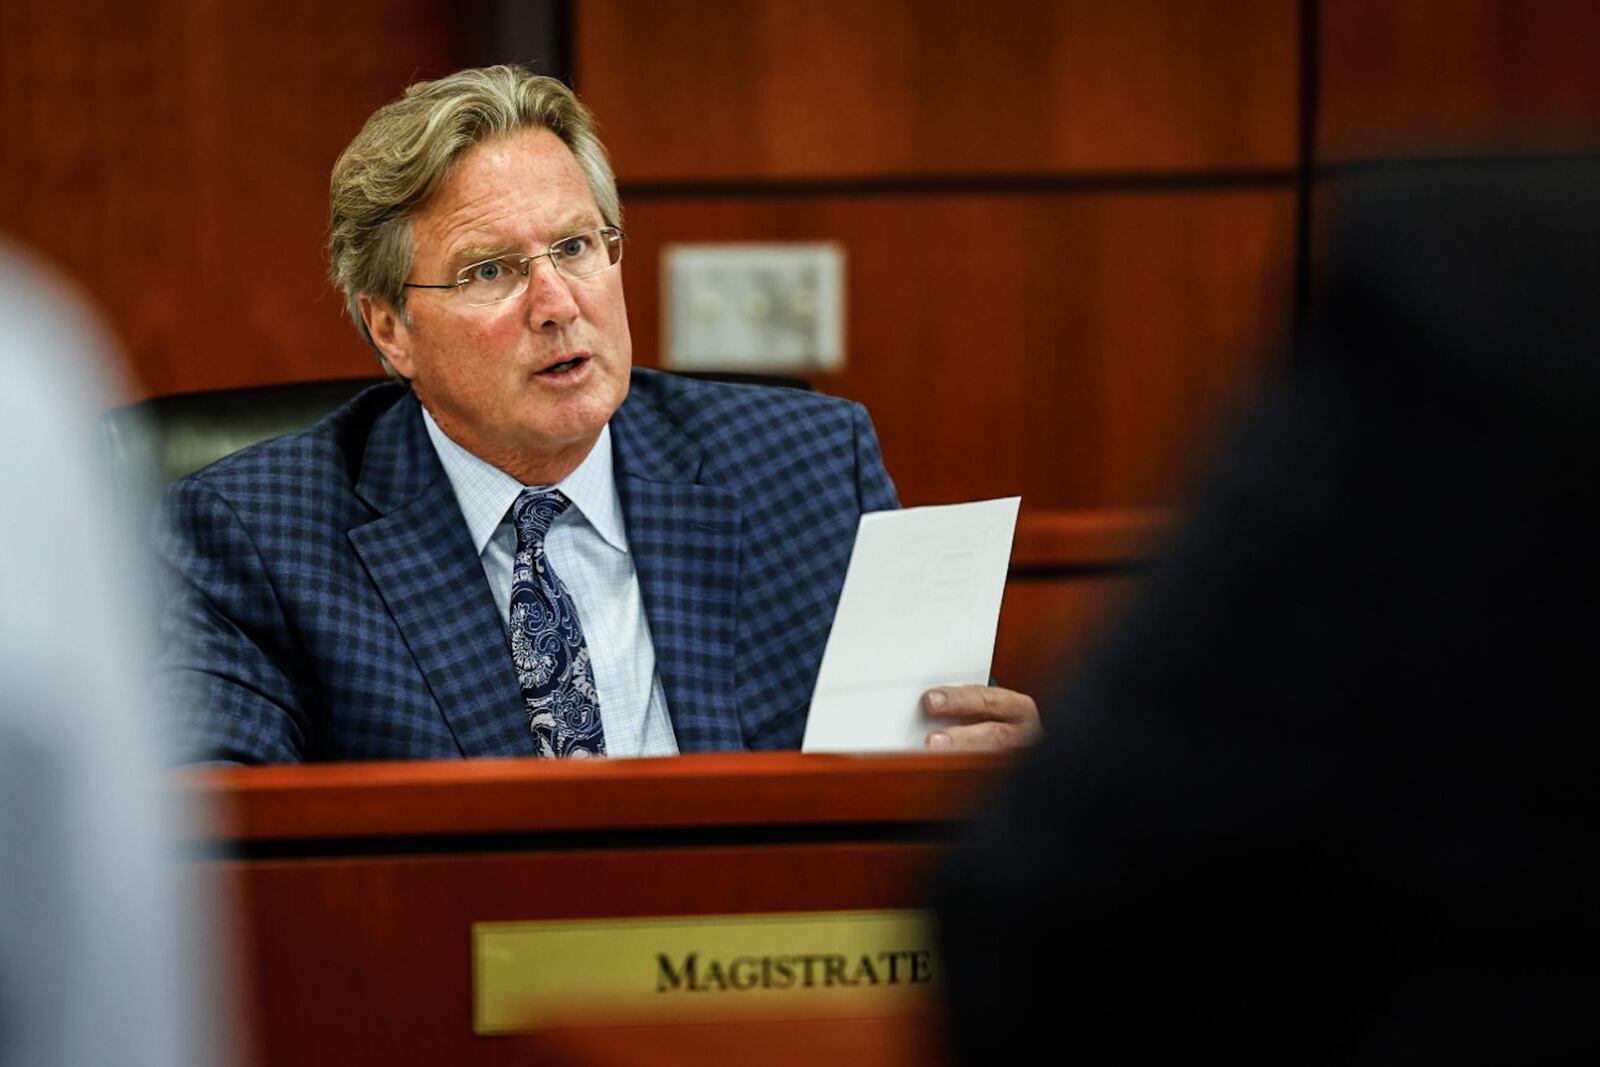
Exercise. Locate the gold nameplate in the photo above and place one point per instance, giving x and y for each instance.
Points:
(531, 975)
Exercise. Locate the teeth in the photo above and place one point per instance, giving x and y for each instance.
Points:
(566, 365)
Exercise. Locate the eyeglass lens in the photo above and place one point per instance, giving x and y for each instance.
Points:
(579, 256)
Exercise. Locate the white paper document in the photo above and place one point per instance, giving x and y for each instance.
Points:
(920, 605)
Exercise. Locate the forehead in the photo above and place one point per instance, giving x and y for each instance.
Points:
(517, 191)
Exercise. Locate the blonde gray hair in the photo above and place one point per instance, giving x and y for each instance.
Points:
(407, 148)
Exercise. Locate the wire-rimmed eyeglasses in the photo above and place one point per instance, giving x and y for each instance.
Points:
(489, 281)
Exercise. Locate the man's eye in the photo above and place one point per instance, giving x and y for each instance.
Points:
(486, 272)
(574, 246)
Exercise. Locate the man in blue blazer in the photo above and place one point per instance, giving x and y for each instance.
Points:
(524, 546)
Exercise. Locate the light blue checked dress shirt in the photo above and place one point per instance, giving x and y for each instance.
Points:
(588, 547)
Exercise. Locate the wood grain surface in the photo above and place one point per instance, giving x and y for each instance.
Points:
(172, 157)
(1075, 350)
(836, 88)
(1458, 76)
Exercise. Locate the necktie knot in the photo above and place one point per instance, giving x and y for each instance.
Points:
(534, 511)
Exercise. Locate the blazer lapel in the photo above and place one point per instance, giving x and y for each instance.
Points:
(421, 558)
(685, 541)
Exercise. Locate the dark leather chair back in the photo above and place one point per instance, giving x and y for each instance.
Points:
(171, 436)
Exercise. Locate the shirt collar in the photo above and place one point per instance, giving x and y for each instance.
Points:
(486, 493)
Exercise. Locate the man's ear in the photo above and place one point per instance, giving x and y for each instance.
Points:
(388, 330)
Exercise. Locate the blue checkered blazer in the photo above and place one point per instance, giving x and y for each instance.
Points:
(325, 602)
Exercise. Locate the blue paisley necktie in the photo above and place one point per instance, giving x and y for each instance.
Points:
(547, 640)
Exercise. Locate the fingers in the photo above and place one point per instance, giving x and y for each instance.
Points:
(978, 737)
(982, 717)
(974, 703)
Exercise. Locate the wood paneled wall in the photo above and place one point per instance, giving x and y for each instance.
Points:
(1068, 225)
(1457, 76)
(173, 156)
(1065, 348)
(770, 89)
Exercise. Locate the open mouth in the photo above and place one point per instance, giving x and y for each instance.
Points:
(564, 366)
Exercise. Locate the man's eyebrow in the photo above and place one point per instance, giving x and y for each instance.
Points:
(479, 253)
(578, 224)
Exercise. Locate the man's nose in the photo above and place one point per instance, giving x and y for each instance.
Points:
(550, 298)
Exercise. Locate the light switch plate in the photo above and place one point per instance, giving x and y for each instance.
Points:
(753, 307)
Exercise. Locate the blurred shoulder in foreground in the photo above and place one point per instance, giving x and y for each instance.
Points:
(95, 921)
(1326, 795)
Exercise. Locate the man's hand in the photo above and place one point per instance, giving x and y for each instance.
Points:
(981, 717)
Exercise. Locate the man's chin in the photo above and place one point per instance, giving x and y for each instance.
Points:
(574, 419)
